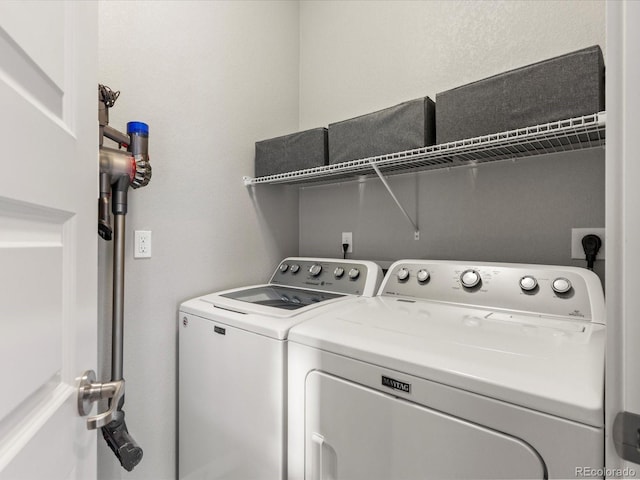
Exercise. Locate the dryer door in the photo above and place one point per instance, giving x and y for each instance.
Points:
(353, 432)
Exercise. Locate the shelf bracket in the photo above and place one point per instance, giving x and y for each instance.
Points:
(416, 230)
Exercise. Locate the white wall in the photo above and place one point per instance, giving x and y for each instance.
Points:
(357, 57)
(210, 78)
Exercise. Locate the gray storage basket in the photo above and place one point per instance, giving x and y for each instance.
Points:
(402, 127)
(295, 151)
(567, 86)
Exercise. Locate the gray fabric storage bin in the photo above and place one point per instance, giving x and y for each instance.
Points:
(402, 127)
(563, 87)
(296, 151)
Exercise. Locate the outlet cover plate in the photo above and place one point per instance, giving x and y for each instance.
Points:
(577, 252)
(142, 244)
(347, 237)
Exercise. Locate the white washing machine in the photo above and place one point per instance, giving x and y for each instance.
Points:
(233, 361)
(455, 370)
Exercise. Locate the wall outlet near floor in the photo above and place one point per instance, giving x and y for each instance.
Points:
(142, 244)
(577, 252)
(347, 237)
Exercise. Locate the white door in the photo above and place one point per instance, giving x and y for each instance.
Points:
(48, 239)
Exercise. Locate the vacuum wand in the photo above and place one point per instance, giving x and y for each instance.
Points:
(115, 432)
(119, 170)
(125, 169)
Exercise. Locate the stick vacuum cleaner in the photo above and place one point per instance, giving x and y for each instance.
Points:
(121, 168)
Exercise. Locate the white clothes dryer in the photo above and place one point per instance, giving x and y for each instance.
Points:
(232, 365)
(455, 370)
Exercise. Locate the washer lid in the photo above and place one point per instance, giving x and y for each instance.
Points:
(261, 308)
(549, 364)
(285, 298)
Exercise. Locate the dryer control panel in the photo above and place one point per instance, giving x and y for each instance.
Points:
(538, 289)
(354, 277)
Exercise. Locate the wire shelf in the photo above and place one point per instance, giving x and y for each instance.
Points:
(565, 135)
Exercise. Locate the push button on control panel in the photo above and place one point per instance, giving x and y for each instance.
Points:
(561, 285)
(528, 283)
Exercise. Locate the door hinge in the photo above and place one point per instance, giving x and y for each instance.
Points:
(626, 436)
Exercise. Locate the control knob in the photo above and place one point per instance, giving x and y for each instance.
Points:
(354, 273)
(315, 270)
(294, 268)
(423, 275)
(338, 272)
(403, 274)
(528, 283)
(284, 267)
(470, 278)
(561, 285)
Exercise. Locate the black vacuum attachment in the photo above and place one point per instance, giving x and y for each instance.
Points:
(121, 443)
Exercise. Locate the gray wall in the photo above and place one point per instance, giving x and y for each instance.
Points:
(210, 78)
(519, 212)
(358, 57)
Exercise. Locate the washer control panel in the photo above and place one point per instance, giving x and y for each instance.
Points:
(333, 275)
(538, 289)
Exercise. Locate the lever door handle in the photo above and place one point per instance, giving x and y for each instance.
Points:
(90, 391)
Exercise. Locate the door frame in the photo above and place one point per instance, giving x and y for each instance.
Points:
(622, 222)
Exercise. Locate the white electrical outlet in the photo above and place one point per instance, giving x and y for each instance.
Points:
(142, 244)
(577, 251)
(347, 237)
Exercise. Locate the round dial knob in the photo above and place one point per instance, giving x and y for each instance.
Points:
(423, 275)
(294, 268)
(354, 273)
(528, 283)
(470, 278)
(338, 272)
(403, 274)
(284, 267)
(561, 285)
(315, 269)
